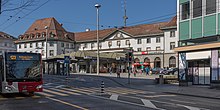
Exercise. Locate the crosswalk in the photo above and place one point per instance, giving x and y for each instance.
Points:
(67, 91)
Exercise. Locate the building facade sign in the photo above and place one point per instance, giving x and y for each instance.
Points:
(182, 66)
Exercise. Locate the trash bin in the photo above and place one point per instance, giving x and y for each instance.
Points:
(161, 80)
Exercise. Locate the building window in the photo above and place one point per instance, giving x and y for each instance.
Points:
(100, 45)
(42, 52)
(72, 46)
(139, 49)
(92, 45)
(119, 43)
(172, 62)
(36, 44)
(139, 41)
(109, 44)
(67, 45)
(42, 44)
(172, 45)
(85, 45)
(127, 42)
(51, 52)
(157, 48)
(19, 45)
(51, 44)
(157, 39)
(185, 11)
(210, 6)
(25, 45)
(148, 40)
(62, 44)
(172, 34)
(6, 44)
(148, 48)
(197, 8)
(31, 45)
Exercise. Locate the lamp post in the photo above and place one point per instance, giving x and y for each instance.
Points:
(97, 6)
(46, 66)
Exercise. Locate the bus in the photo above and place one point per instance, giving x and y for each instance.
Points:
(20, 72)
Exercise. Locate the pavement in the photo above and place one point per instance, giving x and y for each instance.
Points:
(147, 82)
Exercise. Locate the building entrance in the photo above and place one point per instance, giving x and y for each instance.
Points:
(199, 71)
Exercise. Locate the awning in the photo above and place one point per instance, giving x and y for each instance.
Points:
(198, 47)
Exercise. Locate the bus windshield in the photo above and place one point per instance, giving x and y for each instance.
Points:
(23, 70)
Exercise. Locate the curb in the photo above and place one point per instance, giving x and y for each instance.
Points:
(218, 98)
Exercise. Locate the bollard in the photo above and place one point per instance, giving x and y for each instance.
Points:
(102, 87)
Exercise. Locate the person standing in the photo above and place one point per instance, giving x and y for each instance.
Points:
(110, 70)
(118, 73)
(147, 69)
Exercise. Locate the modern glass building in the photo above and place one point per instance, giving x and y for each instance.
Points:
(198, 25)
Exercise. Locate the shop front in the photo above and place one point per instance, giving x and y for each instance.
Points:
(201, 67)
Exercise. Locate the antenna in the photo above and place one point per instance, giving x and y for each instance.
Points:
(125, 14)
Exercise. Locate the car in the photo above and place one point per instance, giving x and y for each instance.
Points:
(156, 70)
(172, 71)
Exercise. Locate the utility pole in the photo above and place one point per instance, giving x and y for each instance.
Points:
(125, 14)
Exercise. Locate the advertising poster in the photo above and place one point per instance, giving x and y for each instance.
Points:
(214, 65)
(182, 66)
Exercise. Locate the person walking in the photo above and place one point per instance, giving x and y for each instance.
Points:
(118, 73)
(110, 70)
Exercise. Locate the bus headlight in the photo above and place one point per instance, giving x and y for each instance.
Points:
(39, 87)
(8, 88)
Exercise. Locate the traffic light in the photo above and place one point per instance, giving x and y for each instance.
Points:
(129, 56)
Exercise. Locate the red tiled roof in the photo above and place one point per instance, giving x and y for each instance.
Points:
(171, 23)
(135, 31)
(6, 36)
(92, 35)
(145, 29)
(54, 28)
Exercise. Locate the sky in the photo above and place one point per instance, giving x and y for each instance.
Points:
(78, 15)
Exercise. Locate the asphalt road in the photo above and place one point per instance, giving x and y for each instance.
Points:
(84, 92)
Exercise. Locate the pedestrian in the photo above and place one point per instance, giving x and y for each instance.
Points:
(147, 69)
(135, 72)
(110, 70)
(118, 73)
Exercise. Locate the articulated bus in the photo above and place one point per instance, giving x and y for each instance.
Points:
(20, 72)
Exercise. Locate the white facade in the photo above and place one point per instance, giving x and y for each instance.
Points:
(53, 48)
(7, 45)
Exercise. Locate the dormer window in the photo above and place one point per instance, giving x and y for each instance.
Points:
(38, 35)
(32, 36)
(43, 34)
(109, 44)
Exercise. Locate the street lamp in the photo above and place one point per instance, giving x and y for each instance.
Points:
(97, 6)
(46, 66)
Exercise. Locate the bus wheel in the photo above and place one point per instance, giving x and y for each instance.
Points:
(31, 93)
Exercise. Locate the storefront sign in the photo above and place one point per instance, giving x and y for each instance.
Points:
(214, 65)
(152, 52)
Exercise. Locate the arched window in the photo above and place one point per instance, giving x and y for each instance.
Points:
(172, 62)
(136, 60)
(146, 60)
(157, 62)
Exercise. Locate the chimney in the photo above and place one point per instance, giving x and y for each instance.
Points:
(87, 30)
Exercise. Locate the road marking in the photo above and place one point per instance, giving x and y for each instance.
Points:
(44, 94)
(74, 90)
(148, 103)
(35, 97)
(19, 98)
(114, 97)
(192, 108)
(84, 90)
(60, 90)
(182, 101)
(53, 92)
(48, 84)
(60, 86)
(66, 103)
(154, 96)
